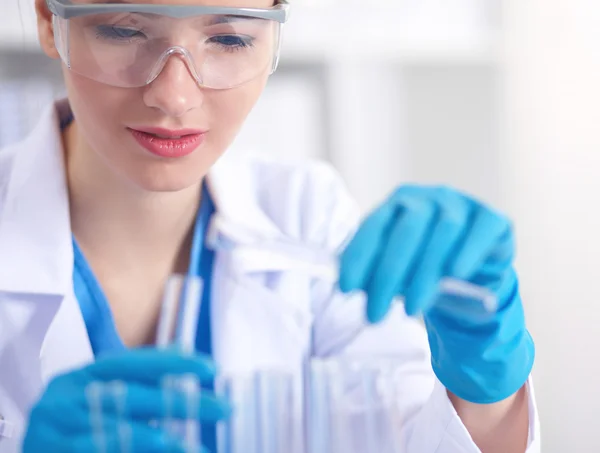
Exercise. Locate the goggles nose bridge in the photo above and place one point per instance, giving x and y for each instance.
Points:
(184, 54)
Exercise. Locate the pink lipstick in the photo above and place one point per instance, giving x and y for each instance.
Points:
(168, 143)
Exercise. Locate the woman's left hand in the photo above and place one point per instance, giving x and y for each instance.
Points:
(421, 235)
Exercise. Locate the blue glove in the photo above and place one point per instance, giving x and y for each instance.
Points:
(421, 235)
(60, 422)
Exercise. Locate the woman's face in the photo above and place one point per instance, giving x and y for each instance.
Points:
(108, 116)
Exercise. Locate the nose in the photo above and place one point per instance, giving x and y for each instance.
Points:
(175, 90)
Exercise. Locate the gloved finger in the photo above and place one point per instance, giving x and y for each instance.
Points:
(140, 406)
(135, 402)
(485, 232)
(107, 435)
(145, 403)
(451, 222)
(41, 434)
(147, 366)
(411, 229)
(124, 437)
(359, 255)
(503, 253)
(149, 403)
(65, 413)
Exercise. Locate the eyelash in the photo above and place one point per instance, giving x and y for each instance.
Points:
(112, 33)
(244, 43)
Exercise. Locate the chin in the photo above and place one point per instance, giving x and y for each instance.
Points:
(163, 183)
(166, 187)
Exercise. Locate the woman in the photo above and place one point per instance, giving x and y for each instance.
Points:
(113, 193)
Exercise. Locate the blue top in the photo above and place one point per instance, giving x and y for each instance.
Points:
(98, 317)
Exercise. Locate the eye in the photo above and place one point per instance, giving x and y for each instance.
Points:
(232, 41)
(112, 32)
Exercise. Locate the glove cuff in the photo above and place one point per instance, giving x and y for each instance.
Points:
(493, 376)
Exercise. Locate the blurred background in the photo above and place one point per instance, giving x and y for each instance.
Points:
(500, 98)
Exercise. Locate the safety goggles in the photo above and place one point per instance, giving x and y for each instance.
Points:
(128, 44)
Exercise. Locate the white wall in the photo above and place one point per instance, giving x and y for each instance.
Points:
(553, 181)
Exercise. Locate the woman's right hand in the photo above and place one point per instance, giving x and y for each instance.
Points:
(61, 420)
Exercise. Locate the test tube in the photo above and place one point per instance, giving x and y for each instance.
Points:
(180, 310)
(267, 414)
(239, 433)
(320, 428)
(101, 395)
(188, 389)
(94, 396)
(353, 407)
(462, 297)
(178, 326)
(192, 392)
(116, 391)
(276, 412)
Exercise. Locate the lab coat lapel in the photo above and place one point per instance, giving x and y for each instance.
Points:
(36, 259)
(35, 231)
(235, 189)
(59, 352)
(256, 324)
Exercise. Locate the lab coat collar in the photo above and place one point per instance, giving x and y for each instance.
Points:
(254, 241)
(234, 190)
(35, 234)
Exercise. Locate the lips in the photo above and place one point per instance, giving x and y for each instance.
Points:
(169, 133)
(167, 143)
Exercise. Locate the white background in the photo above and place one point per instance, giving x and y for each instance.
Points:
(500, 98)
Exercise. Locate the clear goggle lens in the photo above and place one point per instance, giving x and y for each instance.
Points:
(131, 49)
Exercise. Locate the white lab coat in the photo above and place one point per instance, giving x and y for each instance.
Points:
(265, 311)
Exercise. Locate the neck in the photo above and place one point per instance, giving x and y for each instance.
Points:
(117, 222)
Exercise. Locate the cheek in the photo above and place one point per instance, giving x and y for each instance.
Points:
(99, 109)
(228, 109)
(94, 101)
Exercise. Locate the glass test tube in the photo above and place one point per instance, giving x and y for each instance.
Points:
(353, 407)
(267, 414)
